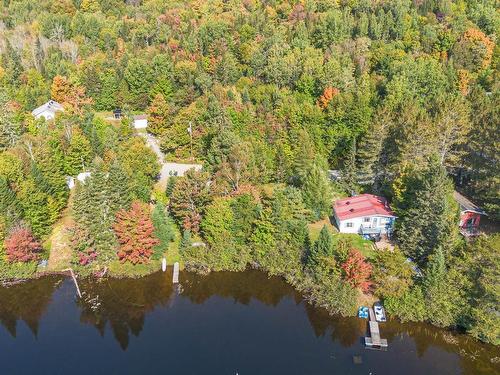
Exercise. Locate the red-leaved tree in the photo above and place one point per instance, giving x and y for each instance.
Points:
(134, 230)
(357, 271)
(22, 246)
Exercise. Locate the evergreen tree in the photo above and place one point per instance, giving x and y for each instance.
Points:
(94, 216)
(12, 64)
(322, 247)
(186, 242)
(316, 189)
(441, 292)
(170, 185)
(369, 151)
(10, 208)
(10, 128)
(163, 230)
(427, 212)
(118, 183)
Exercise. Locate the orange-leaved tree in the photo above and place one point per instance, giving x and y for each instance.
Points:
(357, 270)
(22, 246)
(328, 94)
(69, 94)
(135, 232)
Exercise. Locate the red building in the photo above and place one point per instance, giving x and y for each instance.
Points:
(470, 215)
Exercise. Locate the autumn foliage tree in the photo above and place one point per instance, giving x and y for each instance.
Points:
(135, 233)
(328, 94)
(158, 113)
(69, 94)
(357, 271)
(22, 246)
(474, 50)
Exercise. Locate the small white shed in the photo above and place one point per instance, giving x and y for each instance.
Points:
(140, 121)
(47, 110)
(71, 181)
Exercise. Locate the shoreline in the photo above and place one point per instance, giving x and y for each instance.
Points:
(303, 291)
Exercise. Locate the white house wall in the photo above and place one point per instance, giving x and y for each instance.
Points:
(141, 124)
(357, 222)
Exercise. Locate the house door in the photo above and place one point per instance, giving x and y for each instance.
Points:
(374, 222)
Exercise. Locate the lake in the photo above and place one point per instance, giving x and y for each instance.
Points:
(224, 323)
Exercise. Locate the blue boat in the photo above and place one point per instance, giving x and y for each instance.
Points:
(363, 312)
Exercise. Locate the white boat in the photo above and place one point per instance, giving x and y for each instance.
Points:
(379, 312)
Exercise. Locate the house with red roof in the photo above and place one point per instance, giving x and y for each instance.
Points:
(365, 214)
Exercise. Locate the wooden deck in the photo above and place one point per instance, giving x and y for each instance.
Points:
(374, 340)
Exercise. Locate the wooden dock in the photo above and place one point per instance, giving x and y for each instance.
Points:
(374, 340)
(175, 277)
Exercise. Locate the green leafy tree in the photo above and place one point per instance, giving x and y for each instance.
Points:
(392, 274)
(78, 154)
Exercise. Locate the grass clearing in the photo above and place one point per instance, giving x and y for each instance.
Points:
(366, 247)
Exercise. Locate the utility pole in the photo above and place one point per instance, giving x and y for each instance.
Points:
(190, 131)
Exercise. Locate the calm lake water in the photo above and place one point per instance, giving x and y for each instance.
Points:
(224, 323)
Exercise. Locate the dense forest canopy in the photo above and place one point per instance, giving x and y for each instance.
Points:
(399, 96)
(375, 84)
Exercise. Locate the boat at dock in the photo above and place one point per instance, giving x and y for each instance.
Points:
(379, 312)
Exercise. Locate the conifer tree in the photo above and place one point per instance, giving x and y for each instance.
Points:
(10, 129)
(118, 183)
(10, 208)
(94, 216)
(316, 189)
(164, 230)
(369, 151)
(323, 247)
(427, 212)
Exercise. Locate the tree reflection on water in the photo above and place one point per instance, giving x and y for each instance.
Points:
(27, 302)
(123, 304)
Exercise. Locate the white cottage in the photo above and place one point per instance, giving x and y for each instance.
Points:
(365, 214)
(140, 121)
(47, 110)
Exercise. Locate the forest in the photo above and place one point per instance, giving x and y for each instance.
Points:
(399, 97)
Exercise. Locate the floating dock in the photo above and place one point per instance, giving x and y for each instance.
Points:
(175, 277)
(374, 341)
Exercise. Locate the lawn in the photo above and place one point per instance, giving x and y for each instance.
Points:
(366, 247)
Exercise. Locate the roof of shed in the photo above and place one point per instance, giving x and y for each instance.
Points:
(466, 204)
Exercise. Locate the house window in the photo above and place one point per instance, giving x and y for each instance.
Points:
(384, 220)
(348, 225)
(366, 219)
